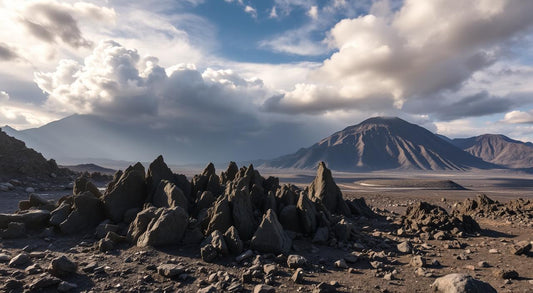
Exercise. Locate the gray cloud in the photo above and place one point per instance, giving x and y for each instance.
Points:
(55, 22)
(7, 53)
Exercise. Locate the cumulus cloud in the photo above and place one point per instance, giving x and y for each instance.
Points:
(117, 82)
(519, 117)
(425, 49)
(50, 21)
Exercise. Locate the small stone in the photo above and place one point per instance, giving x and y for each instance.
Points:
(298, 277)
(493, 251)
(417, 261)
(66, 286)
(170, 270)
(20, 260)
(522, 247)
(29, 190)
(506, 274)
(208, 289)
(245, 255)
(270, 269)
(388, 277)
(324, 288)
(483, 264)
(262, 288)
(296, 261)
(62, 266)
(34, 269)
(405, 247)
(4, 258)
(44, 282)
(341, 264)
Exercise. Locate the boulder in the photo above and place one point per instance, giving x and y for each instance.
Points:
(296, 261)
(243, 213)
(62, 266)
(20, 260)
(270, 236)
(60, 214)
(220, 218)
(343, 229)
(87, 213)
(167, 229)
(14, 230)
(127, 193)
(324, 189)
(290, 219)
(461, 283)
(208, 253)
(32, 219)
(141, 222)
(168, 195)
(170, 270)
(157, 171)
(233, 240)
(205, 201)
(307, 213)
(216, 239)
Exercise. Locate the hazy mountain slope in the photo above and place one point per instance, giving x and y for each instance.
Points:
(382, 143)
(498, 149)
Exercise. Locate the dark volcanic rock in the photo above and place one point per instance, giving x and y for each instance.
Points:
(324, 190)
(127, 193)
(168, 195)
(427, 217)
(167, 229)
(243, 213)
(88, 211)
(62, 266)
(270, 236)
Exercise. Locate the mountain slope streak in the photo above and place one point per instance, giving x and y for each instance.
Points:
(382, 143)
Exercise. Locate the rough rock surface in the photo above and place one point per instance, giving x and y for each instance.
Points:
(461, 283)
(270, 236)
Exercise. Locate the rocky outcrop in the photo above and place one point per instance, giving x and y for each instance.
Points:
(165, 229)
(270, 236)
(425, 217)
(128, 192)
(88, 211)
(324, 190)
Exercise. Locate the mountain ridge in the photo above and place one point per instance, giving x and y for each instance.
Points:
(380, 143)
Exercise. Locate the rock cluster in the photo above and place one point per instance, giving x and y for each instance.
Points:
(516, 210)
(424, 217)
(227, 213)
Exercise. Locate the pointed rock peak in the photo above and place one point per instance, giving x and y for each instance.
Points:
(209, 170)
(232, 168)
(159, 166)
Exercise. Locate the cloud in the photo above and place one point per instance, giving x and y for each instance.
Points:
(424, 50)
(7, 53)
(19, 115)
(313, 12)
(518, 117)
(250, 10)
(273, 12)
(49, 20)
(116, 81)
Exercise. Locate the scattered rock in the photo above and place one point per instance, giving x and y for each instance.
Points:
(262, 288)
(170, 270)
(62, 266)
(461, 283)
(405, 247)
(522, 247)
(298, 276)
(20, 260)
(417, 261)
(341, 264)
(296, 261)
(44, 281)
(324, 288)
(505, 274)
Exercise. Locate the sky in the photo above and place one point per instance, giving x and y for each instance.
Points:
(266, 70)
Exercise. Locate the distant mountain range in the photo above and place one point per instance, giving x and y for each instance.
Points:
(378, 143)
(498, 149)
(382, 143)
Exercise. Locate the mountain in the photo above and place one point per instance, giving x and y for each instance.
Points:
(381, 143)
(16, 160)
(498, 149)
